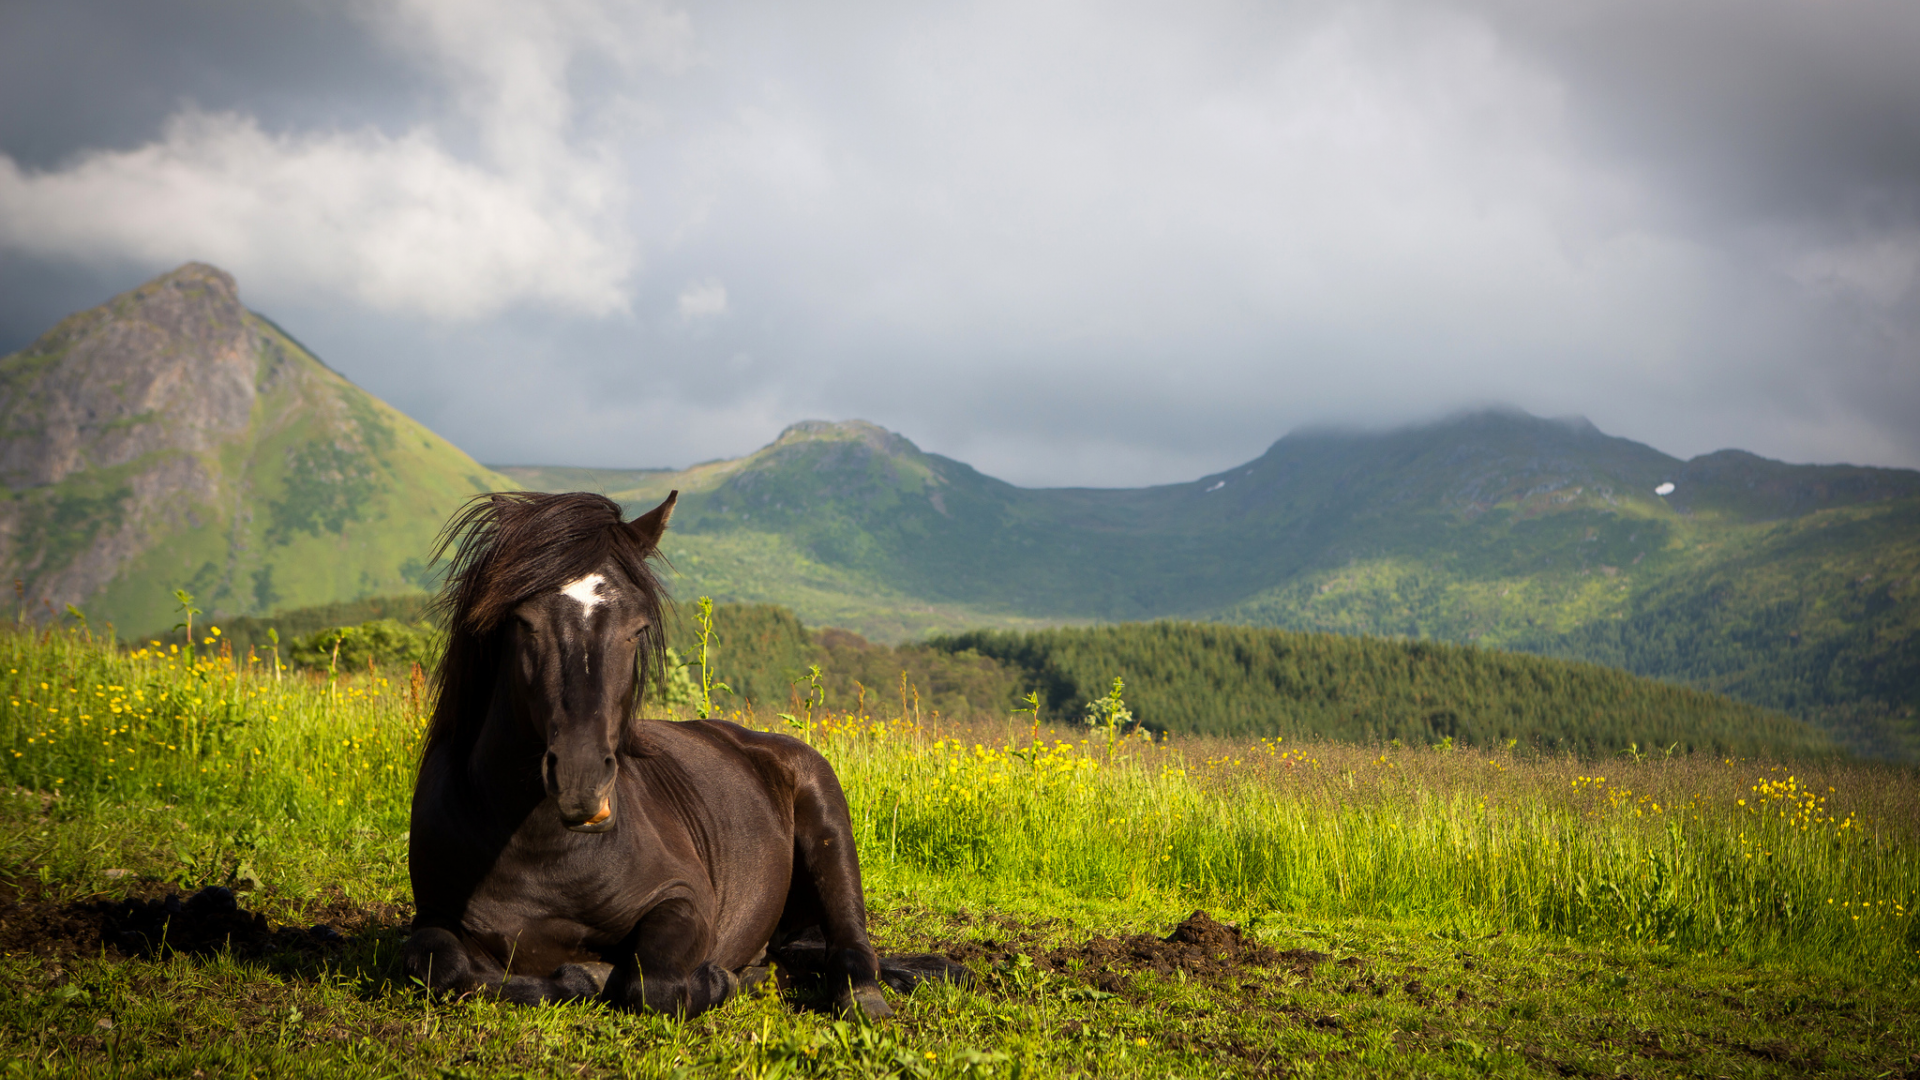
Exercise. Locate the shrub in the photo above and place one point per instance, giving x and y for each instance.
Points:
(385, 642)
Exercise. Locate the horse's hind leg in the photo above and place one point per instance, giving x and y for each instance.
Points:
(571, 982)
(826, 861)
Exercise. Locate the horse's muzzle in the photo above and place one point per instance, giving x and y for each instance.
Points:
(583, 786)
(601, 819)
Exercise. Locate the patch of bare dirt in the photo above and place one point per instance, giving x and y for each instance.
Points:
(1201, 946)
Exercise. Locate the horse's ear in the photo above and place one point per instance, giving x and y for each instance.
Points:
(649, 527)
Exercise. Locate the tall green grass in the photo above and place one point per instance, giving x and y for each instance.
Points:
(1814, 861)
(96, 727)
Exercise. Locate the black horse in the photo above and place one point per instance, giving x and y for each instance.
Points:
(563, 849)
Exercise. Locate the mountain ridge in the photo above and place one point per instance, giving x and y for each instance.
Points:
(172, 438)
(1312, 502)
(1491, 527)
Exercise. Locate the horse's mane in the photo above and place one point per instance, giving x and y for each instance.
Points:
(507, 547)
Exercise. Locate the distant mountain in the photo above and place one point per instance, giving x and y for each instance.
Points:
(171, 438)
(1794, 586)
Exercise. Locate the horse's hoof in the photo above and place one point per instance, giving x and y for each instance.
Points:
(598, 972)
(753, 975)
(583, 980)
(865, 1001)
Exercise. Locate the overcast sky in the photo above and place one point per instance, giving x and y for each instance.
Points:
(1069, 243)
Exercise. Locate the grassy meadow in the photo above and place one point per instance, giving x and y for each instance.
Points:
(1441, 910)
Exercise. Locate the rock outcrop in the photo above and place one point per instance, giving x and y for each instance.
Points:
(172, 438)
(168, 366)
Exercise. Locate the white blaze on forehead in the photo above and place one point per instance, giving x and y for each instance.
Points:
(585, 591)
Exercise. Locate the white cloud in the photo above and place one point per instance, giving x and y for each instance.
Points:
(1068, 242)
(703, 299)
(393, 223)
(399, 222)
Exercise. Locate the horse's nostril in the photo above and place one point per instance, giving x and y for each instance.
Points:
(609, 762)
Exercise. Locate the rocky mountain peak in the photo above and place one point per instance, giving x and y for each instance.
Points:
(861, 431)
(167, 366)
(170, 438)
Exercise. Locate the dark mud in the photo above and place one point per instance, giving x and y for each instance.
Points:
(1250, 975)
(1202, 947)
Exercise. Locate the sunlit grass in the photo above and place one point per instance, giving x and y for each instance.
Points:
(1697, 854)
(96, 726)
(1812, 862)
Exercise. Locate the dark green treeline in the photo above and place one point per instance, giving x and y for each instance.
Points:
(763, 653)
(1207, 678)
(1197, 678)
(250, 632)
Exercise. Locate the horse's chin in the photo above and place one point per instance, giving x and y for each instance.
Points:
(599, 822)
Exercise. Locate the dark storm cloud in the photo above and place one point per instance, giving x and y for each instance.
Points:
(1767, 110)
(80, 75)
(1786, 134)
(1065, 242)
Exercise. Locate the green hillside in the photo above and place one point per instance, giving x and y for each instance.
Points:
(1494, 528)
(1814, 615)
(172, 439)
(1209, 679)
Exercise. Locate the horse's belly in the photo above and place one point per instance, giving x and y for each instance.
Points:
(538, 949)
(528, 936)
(742, 930)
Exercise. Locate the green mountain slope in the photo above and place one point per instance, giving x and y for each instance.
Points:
(746, 530)
(1494, 527)
(171, 438)
(1816, 615)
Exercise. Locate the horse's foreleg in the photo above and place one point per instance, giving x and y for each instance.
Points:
(670, 968)
(439, 960)
(572, 982)
(823, 846)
